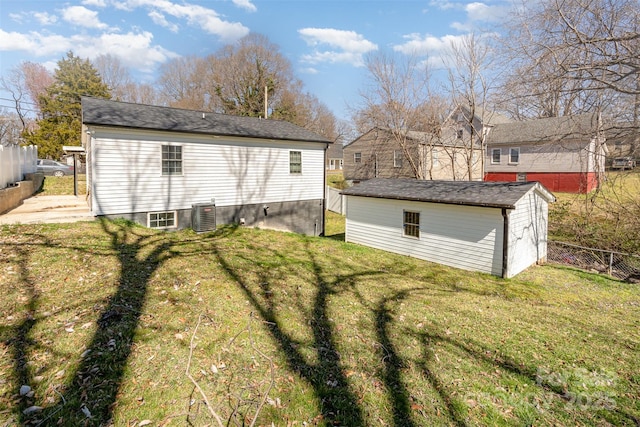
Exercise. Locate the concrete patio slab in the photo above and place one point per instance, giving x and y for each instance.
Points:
(49, 209)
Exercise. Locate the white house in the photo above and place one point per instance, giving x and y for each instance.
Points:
(171, 168)
(492, 227)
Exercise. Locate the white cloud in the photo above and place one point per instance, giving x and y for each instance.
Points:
(343, 46)
(45, 18)
(159, 19)
(135, 50)
(83, 17)
(245, 4)
(206, 19)
(94, 3)
(426, 45)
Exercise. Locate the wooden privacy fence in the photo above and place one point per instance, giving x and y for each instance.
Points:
(616, 264)
(15, 162)
(335, 201)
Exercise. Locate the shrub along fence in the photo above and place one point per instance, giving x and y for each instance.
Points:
(616, 264)
(15, 162)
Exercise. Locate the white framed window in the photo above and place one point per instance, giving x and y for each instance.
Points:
(411, 224)
(357, 157)
(295, 161)
(171, 160)
(166, 219)
(397, 158)
(514, 156)
(496, 153)
(434, 157)
(459, 133)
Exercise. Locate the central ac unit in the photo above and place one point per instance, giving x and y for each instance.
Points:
(203, 217)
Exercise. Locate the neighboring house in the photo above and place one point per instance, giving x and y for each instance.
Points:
(565, 154)
(496, 228)
(623, 140)
(379, 154)
(334, 157)
(171, 168)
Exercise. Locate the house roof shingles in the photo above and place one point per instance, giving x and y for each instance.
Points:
(472, 193)
(104, 112)
(544, 130)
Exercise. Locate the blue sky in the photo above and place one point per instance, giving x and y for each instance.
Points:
(325, 40)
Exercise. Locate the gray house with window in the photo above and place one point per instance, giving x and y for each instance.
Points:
(498, 228)
(171, 168)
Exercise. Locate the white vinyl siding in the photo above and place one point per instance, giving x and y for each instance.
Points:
(568, 156)
(528, 233)
(127, 176)
(466, 237)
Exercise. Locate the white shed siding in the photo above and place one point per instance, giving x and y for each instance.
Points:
(466, 237)
(527, 233)
(126, 171)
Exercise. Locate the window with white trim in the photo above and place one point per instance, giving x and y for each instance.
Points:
(295, 161)
(357, 157)
(496, 153)
(397, 158)
(167, 219)
(514, 156)
(411, 223)
(171, 160)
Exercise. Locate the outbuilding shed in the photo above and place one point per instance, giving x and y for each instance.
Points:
(492, 227)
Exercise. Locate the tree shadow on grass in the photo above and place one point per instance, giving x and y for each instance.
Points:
(393, 363)
(338, 403)
(90, 395)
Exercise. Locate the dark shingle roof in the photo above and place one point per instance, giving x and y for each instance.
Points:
(113, 113)
(473, 193)
(544, 130)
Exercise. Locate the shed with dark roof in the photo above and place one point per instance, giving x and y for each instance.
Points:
(492, 227)
(173, 168)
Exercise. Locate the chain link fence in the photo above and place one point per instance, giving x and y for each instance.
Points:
(615, 264)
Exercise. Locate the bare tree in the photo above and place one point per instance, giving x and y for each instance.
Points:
(398, 99)
(36, 80)
(468, 64)
(584, 53)
(185, 83)
(114, 75)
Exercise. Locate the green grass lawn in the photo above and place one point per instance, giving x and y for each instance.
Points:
(104, 318)
(63, 185)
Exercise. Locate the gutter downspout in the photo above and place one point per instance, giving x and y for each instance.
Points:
(324, 193)
(505, 242)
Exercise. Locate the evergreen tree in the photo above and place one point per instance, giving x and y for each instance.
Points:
(61, 120)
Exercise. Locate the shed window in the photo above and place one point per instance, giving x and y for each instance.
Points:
(171, 160)
(459, 133)
(162, 219)
(411, 224)
(495, 156)
(357, 157)
(397, 158)
(295, 162)
(514, 155)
